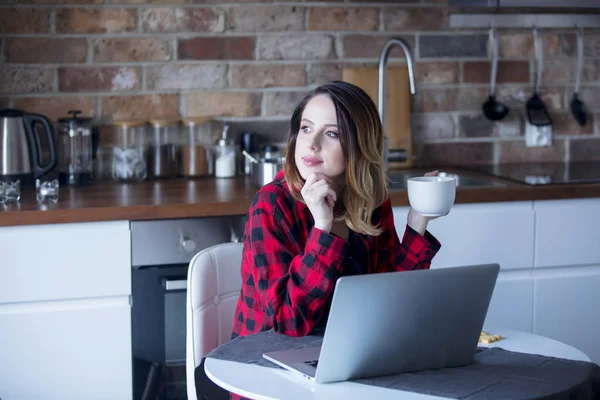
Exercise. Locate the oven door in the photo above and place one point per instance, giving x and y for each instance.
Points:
(158, 313)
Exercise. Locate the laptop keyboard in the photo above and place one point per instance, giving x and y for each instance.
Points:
(312, 363)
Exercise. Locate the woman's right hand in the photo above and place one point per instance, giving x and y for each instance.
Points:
(320, 199)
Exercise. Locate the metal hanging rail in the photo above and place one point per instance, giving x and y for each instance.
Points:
(524, 20)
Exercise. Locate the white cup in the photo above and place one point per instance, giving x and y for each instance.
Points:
(431, 196)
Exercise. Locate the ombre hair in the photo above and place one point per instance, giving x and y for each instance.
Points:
(361, 137)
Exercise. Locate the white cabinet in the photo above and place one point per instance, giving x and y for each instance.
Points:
(65, 315)
(481, 233)
(566, 306)
(511, 306)
(567, 232)
(74, 349)
(65, 261)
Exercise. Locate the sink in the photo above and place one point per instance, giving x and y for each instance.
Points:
(397, 179)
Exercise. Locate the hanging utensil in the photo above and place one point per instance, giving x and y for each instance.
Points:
(492, 109)
(577, 107)
(536, 110)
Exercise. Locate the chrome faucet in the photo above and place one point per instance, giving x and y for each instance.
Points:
(381, 87)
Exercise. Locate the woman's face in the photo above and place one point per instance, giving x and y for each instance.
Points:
(318, 147)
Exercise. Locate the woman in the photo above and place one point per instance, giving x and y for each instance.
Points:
(327, 214)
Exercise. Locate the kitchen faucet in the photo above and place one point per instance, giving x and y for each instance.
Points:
(381, 87)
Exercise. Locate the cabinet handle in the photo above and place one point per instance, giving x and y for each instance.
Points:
(174, 284)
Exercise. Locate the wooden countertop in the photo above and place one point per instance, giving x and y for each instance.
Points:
(183, 198)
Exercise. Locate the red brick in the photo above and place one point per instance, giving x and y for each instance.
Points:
(478, 126)
(517, 151)
(28, 50)
(564, 123)
(60, 2)
(103, 79)
(437, 100)
(303, 46)
(95, 20)
(165, 19)
(131, 49)
(516, 96)
(508, 72)
(222, 104)
(455, 154)
(25, 79)
(24, 20)
(323, 73)
(370, 46)
(395, 19)
(432, 126)
(585, 149)
(186, 76)
(216, 48)
(437, 72)
(266, 19)
(343, 18)
(58, 106)
(263, 76)
(140, 107)
(282, 103)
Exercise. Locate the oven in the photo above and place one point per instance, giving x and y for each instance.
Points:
(161, 252)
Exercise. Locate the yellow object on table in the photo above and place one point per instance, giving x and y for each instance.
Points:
(486, 338)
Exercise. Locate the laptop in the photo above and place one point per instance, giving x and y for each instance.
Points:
(394, 322)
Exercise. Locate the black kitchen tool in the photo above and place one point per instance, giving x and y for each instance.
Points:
(492, 109)
(536, 110)
(577, 106)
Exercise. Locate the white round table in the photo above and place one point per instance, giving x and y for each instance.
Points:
(257, 382)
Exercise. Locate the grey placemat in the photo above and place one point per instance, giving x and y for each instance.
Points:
(495, 373)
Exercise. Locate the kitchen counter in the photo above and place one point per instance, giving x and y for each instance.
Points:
(184, 198)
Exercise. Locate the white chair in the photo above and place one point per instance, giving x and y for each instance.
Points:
(213, 287)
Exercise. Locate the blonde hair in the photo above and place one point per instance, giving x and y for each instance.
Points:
(361, 137)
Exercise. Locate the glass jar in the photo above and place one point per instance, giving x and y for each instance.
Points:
(197, 149)
(162, 151)
(225, 156)
(128, 139)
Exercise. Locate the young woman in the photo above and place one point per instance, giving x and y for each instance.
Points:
(326, 215)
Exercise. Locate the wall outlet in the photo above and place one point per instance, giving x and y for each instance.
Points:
(538, 136)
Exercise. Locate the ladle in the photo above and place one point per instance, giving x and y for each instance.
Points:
(492, 109)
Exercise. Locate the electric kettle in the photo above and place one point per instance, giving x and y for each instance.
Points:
(20, 146)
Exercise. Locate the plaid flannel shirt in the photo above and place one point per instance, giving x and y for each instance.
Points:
(289, 268)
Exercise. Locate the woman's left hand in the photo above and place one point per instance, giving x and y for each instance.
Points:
(417, 221)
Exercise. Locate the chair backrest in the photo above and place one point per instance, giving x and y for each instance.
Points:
(213, 287)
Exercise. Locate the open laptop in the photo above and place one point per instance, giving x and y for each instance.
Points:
(388, 323)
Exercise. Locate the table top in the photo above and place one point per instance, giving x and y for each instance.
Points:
(264, 383)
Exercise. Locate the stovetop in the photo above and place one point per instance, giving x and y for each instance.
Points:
(545, 173)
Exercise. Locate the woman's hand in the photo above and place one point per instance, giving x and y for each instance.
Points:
(320, 199)
(417, 221)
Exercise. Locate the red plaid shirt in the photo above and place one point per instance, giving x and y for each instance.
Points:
(289, 268)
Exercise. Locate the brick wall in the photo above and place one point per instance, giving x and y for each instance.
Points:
(250, 63)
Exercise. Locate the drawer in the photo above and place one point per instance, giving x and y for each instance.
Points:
(176, 241)
(65, 261)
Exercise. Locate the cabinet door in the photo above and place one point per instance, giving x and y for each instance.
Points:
(66, 350)
(567, 232)
(481, 233)
(566, 307)
(65, 261)
(512, 302)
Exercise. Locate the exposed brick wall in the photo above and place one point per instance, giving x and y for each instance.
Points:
(251, 61)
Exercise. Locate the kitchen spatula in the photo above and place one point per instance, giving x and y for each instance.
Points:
(536, 110)
(577, 107)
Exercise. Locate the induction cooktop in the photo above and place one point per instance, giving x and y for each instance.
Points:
(545, 173)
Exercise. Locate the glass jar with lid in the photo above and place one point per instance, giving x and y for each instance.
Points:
(128, 143)
(197, 155)
(162, 151)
